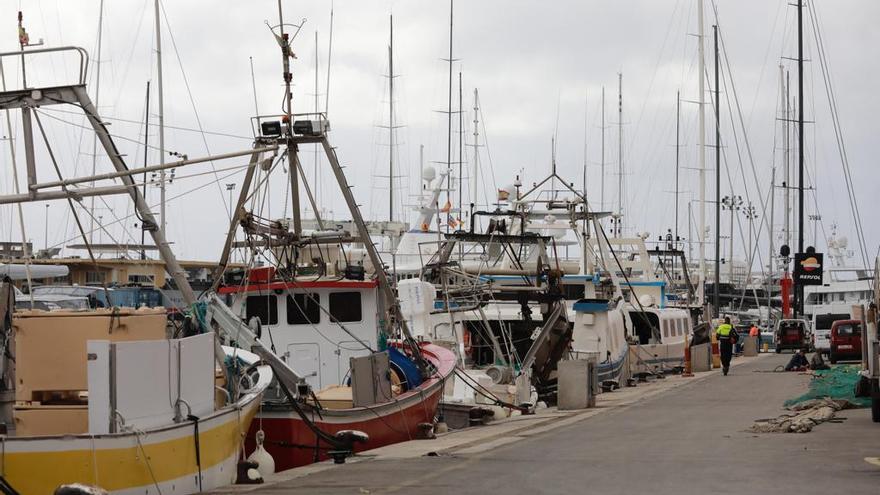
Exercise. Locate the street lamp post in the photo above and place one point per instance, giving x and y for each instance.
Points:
(47, 227)
(731, 203)
(231, 187)
(751, 214)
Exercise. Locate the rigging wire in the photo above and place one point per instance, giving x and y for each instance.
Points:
(838, 132)
(141, 123)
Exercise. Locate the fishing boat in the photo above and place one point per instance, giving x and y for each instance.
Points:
(78, 407)
(351, 376)
(324, 327)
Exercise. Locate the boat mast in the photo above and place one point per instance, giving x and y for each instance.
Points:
(772, 247)
(26, 253)
(602, 161)
(677, 153)
(292, 160)
(717, 289)
(316, 147)
(391, 119)
(460, 151)
(786, 143)
(449, 116)
(475, 197)
(701, 290)
(799, 290)
(160, 114)
(98, 106)
(146, 154)
(618, 232)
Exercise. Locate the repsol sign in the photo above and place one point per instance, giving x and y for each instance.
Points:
(808, 268)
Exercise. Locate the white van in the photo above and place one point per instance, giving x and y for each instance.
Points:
(822, 329)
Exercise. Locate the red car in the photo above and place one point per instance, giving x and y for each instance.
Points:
(846, 340)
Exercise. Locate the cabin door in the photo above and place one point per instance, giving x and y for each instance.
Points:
(305, 358)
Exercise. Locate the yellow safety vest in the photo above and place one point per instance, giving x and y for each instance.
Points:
(724, 330)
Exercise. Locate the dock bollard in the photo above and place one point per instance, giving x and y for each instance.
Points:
(716, 352)
(688, 368)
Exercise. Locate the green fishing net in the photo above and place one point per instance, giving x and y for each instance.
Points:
(839, 382)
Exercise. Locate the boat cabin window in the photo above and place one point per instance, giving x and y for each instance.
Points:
(263, 307)
(345, 306)
(573, 291)
(303, 309)
(665, 328)
(643, 325)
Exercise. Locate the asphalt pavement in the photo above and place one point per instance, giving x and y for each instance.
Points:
(689, 439)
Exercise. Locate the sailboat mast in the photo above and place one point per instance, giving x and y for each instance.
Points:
(449, 114)
(677, 153)
(602, 161)
(146, 154)
(799, 292)
(475, 199)
(618, 232)
(98, 106)
(717, 289)
(460, 149)
(770, 269)
(701, 290)
(391, 118)
(160, 115)
(786, 144)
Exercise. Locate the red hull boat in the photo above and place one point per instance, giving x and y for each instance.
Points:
(293, 443)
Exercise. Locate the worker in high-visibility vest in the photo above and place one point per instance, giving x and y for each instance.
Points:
(754, 331)
(727, 337)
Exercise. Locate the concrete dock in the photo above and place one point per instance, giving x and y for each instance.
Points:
(677, 435)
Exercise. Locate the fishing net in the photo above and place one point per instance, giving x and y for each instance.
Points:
(838, 383)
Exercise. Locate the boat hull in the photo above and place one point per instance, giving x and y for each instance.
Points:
(292, 443)
(149, 462)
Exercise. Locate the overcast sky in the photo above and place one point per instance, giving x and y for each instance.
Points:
(539, 67)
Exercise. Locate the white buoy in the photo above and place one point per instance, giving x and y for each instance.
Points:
(264, 460)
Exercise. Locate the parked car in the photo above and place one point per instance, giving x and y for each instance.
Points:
(846, 340)
(792, 334)
(131, 297)
(49, 302)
